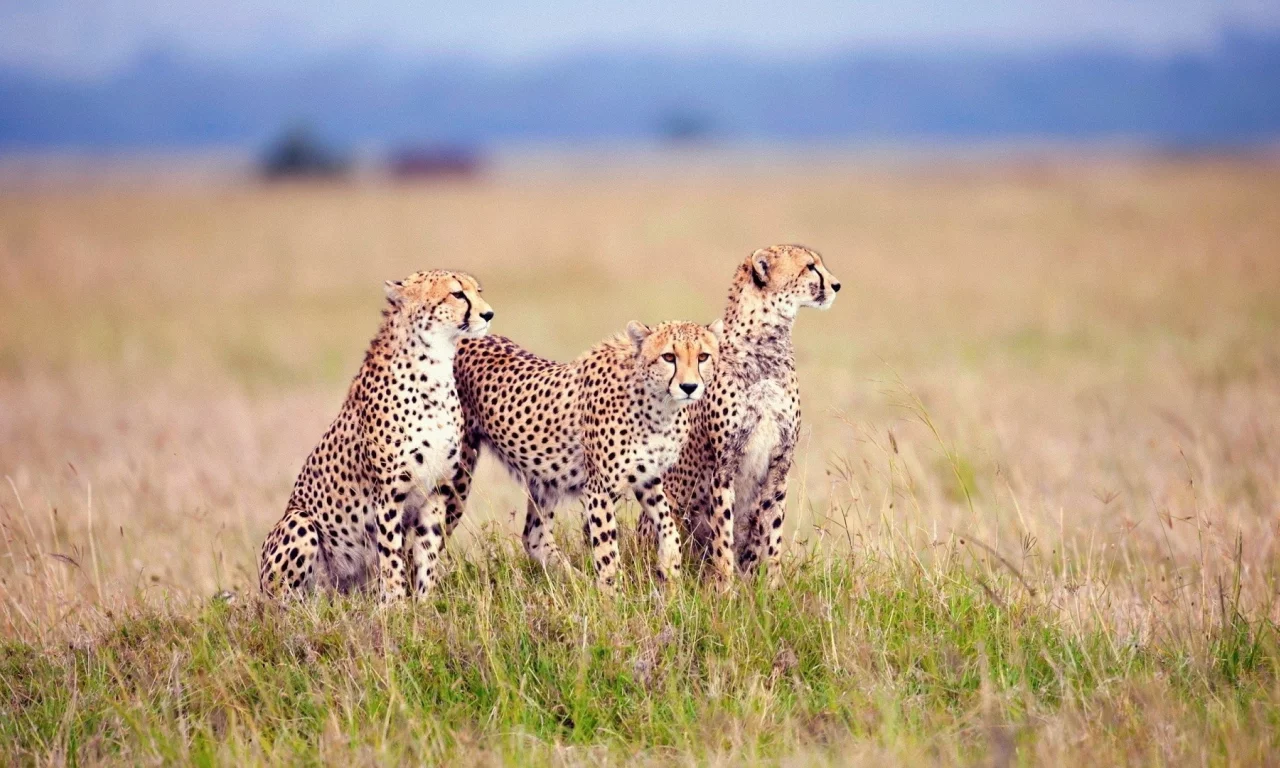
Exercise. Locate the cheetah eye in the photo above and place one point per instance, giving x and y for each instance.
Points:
(459, 295)
(704, 357)
(813, 267)
(670, 358)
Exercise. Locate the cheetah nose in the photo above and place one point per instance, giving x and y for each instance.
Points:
(488, 315)
(835, 287)
(689, 387)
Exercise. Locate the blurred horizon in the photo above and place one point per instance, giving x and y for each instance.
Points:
(137, 76)
(61, 37)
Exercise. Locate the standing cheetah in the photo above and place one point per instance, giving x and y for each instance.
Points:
(361, 499)
(611, 421)
(732, 473)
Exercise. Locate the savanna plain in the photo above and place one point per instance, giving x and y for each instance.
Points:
(1033, 518)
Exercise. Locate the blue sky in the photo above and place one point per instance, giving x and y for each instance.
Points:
(91, 37)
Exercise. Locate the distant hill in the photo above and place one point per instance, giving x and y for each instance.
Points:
(1228, 96)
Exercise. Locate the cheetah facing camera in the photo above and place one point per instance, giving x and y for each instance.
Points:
(609, 422)
(362, 501)
(730, 484)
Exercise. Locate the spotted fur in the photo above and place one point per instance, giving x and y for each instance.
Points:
(609, 422)
(362, 503)
(729, 486)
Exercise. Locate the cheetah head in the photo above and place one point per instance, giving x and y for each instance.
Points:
(441, 305)
(676, 360)
(793, 275)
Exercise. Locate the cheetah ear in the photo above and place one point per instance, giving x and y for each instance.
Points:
(760, 267)
(395, 292)
(717, 329)
(638, 332)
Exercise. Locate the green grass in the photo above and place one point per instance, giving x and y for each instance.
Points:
(1037, 478)
(941, 661)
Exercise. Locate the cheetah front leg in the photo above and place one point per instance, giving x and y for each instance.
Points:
(764, 543)
(662, 528)
(428, 542)
(602, 530)
(392, 568)
(720, 522)
(458, 487)
(440, 514)
(539, 539)
(697, 517)
(646, 529)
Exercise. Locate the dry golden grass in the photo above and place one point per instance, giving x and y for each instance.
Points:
(1077, 368)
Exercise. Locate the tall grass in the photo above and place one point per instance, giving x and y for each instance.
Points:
(1033, 516)
(855, 659)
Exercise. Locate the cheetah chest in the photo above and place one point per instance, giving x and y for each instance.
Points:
(657, 453)
(434, 424)
(435, 437)
(770, 408)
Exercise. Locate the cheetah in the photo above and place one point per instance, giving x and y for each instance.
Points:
(730, 483)
(611, 421)
(362, 502)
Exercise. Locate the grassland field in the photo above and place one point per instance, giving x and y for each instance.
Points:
(1033, 518)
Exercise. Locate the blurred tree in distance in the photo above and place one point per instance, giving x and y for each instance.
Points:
(298, 153)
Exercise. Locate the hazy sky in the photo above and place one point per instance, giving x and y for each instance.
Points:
(87, 37)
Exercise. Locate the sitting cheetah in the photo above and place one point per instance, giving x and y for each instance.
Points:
(611, 421)
(359, 501)
(732, 472)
